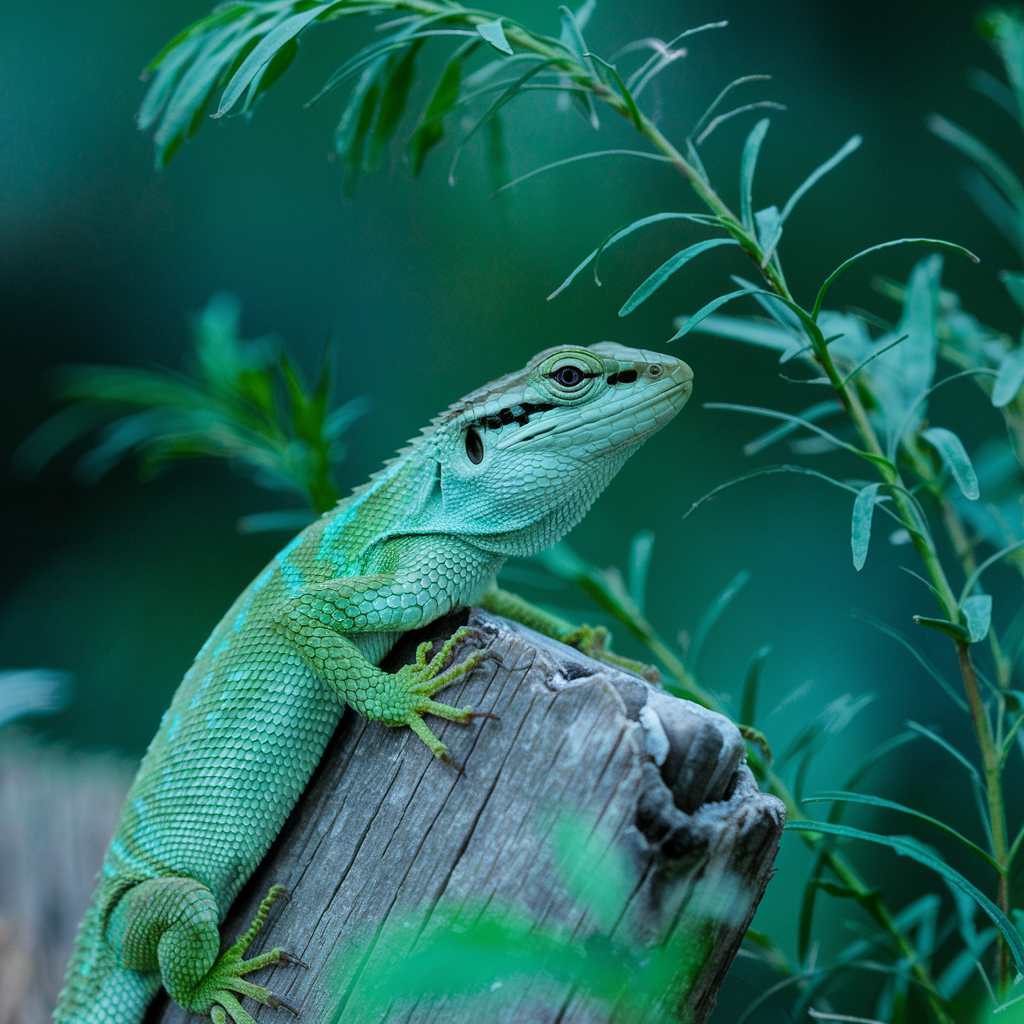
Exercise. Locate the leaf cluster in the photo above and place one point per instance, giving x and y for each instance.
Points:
(246, 401)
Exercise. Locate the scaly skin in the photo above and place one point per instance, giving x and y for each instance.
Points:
(506, 471)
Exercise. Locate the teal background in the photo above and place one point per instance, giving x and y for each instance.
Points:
(428, 290)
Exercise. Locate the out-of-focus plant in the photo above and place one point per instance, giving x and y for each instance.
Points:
(245, 401)
(879, 381)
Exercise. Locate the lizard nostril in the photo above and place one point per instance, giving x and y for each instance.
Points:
(654, 370)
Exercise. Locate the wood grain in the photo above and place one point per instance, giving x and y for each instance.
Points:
(390, 851)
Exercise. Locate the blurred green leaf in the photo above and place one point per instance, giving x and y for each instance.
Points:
(1010, 378)
(953, 629)
(36, 691)
(508, 94)
(248, 404)
(493, 33)
(977, 612)
(908, 847)
(860, 533)
(769, 230)
(442, 100)
(992, 165)
(394, 94)
(621, 233)
(748, 164)
(669, 267)
(261, 55)
(712, 614)
(840, 796)
(640, 549)
(751, 683)
(955, 456)
(921, 659)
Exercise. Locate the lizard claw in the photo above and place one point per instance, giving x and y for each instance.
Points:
(287, 958)
(452, 763)
(275, 1001)
(482, 714)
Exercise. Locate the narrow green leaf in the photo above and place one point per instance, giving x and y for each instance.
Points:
(669, 267)
(846, 264)
(198, 82)
(909, 847)
(627, 96)
(722, 118)
(991, 560)
(816, 412)
(261, 54)
(766, 471)
(955, 456)
(751, 683)
(712, 614)
(621, 233)
(356, 120)
(813, 427)
(977, 613)
(1014, 284)
(492, 32)
(769, 231)
(841, 796)
(442, 100)
(394, 94)
(860, 533)
(697, 218)
(640, 549)
(748, 164)
(922, 660)
(502, 99)
(953, 629)
(1010, 378)
(845, 150)
(705, 311)
(753, 332)
(270, 73)
(706, 116)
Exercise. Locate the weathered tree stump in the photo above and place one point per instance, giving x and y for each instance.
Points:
(390, 850)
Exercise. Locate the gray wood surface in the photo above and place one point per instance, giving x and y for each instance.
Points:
(390, 853)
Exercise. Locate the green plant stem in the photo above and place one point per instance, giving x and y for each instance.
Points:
(994, 790)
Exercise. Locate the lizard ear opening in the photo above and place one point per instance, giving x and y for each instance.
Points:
(474, 447)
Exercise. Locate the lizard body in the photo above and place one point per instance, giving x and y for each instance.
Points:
(505, 471)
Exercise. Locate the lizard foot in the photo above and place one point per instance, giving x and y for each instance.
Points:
(425, 677)
(218, 992)
(595, 642)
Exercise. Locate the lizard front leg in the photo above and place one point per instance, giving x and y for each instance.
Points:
(320, 621)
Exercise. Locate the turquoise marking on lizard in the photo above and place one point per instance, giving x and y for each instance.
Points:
(505, 471)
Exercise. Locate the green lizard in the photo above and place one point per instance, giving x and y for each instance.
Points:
(506, 471)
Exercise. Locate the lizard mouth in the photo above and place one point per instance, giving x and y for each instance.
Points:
(666, 397)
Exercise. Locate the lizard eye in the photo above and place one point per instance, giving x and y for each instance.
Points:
(474, 447)
(568, 376)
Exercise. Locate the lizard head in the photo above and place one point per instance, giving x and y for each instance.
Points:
(536, 447)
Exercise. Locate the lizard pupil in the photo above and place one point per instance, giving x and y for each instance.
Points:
(569, 376)
(474, 447)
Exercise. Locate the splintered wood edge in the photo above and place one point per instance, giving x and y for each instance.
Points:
(384, 835)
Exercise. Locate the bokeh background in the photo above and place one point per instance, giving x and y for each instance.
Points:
(427, 290)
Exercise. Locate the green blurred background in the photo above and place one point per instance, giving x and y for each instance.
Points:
(428, 290)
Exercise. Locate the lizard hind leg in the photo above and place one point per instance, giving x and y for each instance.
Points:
(171, 924)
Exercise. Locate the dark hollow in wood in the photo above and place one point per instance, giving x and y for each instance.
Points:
(388, 848)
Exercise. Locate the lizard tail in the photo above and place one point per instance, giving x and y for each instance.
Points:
(97, 990)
